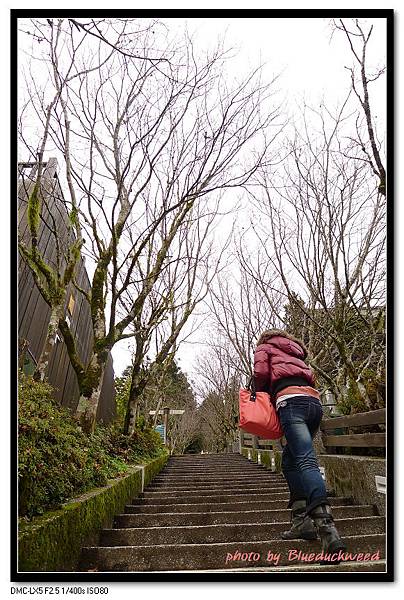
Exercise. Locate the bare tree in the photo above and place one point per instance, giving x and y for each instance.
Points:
(41, 191)
(218, 386)
(358, 38)
(238, 313)
(184, 430)
(184, 282)
(143, 139)
(52, 280)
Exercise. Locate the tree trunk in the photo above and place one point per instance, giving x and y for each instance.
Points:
(43, 362)
(364, 394)
(156, 416)
(90, 392)
(23, 346)
(137, 386)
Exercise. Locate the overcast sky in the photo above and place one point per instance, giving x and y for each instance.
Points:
(311, 64)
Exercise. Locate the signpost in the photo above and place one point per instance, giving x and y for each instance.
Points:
(161, 430)
(166, 411)
(173, 411)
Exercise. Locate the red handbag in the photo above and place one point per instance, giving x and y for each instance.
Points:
(258, 415)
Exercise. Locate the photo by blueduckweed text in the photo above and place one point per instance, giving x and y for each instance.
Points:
(294, 555)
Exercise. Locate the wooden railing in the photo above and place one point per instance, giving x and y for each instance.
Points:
(247, 440)
(351, 439)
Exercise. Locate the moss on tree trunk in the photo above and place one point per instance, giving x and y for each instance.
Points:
(90, 391)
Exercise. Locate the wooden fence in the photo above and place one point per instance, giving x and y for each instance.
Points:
(350, 438)
(247, 440)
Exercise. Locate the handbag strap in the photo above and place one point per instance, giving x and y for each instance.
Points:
(251, 387)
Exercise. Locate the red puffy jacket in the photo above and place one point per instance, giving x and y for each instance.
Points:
(279, 363)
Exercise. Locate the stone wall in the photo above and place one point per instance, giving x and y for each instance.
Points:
(355, 476)
(351, 476)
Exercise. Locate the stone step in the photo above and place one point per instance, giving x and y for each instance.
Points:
(218, 462)
(227, 489)
(245, 464)
(216, 555)
(220, 489)
(217, 485)
(203, 472)
(212, 472)
(345, 567)
(202, 464)
(211, 499)
(204, 475)
(157, 493)
(235, 465)
(204, 455)
(225, 485)
(214, 506)
(185, 482)
(208, 456)
(172, 519)
(191, 534)
(190, 481)
(206, 490)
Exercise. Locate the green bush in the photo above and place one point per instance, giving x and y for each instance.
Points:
(144, 443)
(57, 461)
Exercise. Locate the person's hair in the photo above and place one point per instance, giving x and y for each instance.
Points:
(270, 333)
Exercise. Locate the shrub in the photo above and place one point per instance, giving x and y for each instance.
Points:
(57, 461)
(142, 444)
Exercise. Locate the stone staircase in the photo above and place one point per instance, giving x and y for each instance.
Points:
(221, 513)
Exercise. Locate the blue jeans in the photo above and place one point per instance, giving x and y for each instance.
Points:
(300, 418)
